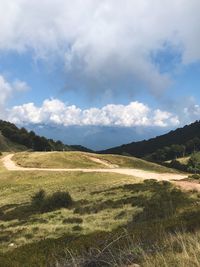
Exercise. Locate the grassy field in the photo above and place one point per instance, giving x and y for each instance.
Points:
(115, 220)
(20, 225)
(83, 160)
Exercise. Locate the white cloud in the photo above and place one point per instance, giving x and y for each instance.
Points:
(104, 40)
(192, 110)
(8, 89)
(5, 91)
(55, 112)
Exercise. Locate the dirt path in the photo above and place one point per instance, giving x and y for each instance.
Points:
(103, 162)
(11, 166)
(187, 185)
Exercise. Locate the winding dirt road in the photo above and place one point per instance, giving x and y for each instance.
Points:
(11, 166)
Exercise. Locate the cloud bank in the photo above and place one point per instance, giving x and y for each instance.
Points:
(55, 112)
(104, 42)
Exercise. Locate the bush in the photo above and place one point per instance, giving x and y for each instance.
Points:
(194, 163)
(38, 199)
(177, 165)
(52, 202)
(57, 200)
(163, 204)
(195, 176)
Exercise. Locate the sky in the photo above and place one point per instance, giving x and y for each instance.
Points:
(100, 73)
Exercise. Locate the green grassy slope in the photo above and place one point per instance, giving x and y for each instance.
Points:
(83, 160)
(20, 224)
(104, 205)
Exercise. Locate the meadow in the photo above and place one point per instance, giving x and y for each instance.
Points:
(115, 220)
(76, 159)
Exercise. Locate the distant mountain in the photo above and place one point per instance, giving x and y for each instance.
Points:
(95, 137)
(13, 138)
(168, 146)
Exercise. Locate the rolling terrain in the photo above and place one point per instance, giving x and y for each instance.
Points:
(84, 160)
(165, 147)
(104, 205)
(122, 211)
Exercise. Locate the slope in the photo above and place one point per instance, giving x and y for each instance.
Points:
(6, 145)
(175, 143)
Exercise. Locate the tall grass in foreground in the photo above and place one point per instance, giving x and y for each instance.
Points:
(177, 250)
(181, 249)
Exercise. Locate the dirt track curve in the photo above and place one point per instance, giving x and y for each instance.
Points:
(11, 166)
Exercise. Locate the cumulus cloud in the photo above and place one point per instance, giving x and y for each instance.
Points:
(55, 112)
(104, 41)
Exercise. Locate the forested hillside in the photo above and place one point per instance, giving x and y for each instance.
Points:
(174, 144)
(14, 138)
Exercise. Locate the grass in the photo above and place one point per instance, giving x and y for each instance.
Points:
(83, 160)
(91, 231)
(181, 249)
(182, 160)
(21, 224)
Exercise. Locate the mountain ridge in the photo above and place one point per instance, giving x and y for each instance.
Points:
(186, 139)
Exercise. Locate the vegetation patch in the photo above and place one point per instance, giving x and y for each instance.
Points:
(55, 201)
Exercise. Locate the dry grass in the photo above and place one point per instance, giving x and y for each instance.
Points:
(179, 250)
(83, 160)
(104, 202)
(19, 225)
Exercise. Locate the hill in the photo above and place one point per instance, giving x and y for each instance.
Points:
(7, 145)
(178, 143)
(113, 218)
(13, 138)
(75, 159)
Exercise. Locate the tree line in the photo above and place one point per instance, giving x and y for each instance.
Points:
(177, 143)
(175, 151)
(30, 139)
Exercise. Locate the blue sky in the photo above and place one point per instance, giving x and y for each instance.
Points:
(124, 70)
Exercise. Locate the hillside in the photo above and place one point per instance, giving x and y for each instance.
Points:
(112, 214)
(6, 145)
(13, 138)
(174, 144)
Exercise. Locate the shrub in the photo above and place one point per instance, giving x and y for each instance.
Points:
(57, 200)
(195, 176)
(177, 165)
(37, 200)
(194, 163)
(163, 204)
(52, 202)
